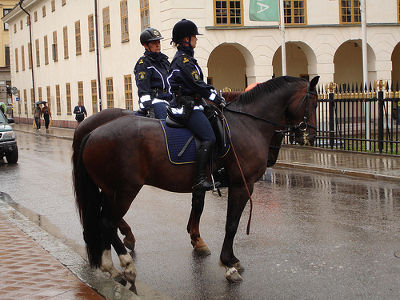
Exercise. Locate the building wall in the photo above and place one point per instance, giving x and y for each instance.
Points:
(229, 55)
(5, 76)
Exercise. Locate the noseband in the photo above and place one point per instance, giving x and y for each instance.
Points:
(303, 125)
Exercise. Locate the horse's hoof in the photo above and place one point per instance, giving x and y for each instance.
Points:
(129, 244)
(238, 266)
(232, 275)
(202, 251)
(120, 279)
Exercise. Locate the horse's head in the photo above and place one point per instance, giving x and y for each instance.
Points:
(301, 113)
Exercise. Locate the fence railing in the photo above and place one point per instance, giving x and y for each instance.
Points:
(351, 117)
(359, 119)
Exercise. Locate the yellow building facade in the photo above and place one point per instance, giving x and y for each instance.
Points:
(5, 76)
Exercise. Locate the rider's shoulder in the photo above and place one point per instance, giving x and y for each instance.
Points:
(141, 62)
(182, 59)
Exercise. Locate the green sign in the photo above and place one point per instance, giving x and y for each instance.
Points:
(264, 10)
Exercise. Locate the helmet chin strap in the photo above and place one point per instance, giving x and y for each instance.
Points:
(184, 43)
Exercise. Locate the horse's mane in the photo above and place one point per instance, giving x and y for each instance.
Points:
(268, 87)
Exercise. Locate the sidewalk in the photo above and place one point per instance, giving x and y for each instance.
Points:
(371, 166)
(27, 271)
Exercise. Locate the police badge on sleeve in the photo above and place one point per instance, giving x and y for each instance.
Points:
(195, 75)
(142, 75)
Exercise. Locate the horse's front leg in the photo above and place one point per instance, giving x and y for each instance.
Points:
(237, 200)
(198, 244)
(129, 239)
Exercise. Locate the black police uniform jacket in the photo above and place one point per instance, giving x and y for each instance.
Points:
(186, 79)
(151, 73)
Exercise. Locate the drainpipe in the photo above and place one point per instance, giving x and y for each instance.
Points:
(31, 53)
(97, 53)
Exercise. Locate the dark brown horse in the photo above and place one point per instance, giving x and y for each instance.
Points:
(117, 158)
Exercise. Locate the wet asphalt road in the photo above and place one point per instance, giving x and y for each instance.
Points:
(313, 236)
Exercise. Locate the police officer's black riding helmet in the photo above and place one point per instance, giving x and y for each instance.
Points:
(183, 29)
(150, 35)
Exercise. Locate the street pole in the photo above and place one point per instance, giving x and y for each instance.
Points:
(365, 70)
(283, 47)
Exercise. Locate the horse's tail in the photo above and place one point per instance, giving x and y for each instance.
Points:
(88, 202)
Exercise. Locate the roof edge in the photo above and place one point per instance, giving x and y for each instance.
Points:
(16, 11)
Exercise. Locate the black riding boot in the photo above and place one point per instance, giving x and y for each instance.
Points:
(202, 159)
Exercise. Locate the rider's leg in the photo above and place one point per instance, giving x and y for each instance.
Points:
(201, 128)
(160, 110)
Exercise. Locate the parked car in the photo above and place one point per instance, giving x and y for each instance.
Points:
(8, 142)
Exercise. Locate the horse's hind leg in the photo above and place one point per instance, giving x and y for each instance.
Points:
(114, 208)
(198, 244)
(129, 239)
(237, 200)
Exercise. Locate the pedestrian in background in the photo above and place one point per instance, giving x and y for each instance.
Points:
(46, 116)
(80, 112)
(37, 114)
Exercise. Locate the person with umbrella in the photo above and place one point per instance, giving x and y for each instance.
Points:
(37, 114)
(46, 115)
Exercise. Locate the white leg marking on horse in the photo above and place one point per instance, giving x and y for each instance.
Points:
(230, 271)
(128, 266)
(107, 264)
(232, 274)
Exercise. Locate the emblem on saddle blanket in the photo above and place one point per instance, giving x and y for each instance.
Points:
(181, 145)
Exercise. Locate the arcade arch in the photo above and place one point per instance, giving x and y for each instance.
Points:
(300, 60)
(396, 66)
(230, 65)
(348, 63)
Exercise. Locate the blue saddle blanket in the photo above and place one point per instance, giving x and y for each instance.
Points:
(181, 145)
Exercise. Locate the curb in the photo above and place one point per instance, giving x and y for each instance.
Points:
(347, 172)
(47, 134)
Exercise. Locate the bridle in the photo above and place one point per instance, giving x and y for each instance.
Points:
(302, 126)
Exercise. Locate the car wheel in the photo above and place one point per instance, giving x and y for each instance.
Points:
(12, 157)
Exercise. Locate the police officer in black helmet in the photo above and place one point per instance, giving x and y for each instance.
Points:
(151, 72)
(189, 88)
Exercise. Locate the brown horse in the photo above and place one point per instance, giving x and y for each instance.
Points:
(116, 159)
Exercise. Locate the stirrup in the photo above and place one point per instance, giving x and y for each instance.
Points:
(204, 185)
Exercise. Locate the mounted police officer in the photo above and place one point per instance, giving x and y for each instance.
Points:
(189, 88)
(151, 72)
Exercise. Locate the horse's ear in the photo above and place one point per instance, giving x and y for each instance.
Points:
(314, 83)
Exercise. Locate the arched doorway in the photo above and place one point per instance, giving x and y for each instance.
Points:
(300, 60)
(348, 63)
(227, 67)
(396, 66)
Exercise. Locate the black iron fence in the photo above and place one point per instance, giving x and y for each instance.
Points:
(353, 118)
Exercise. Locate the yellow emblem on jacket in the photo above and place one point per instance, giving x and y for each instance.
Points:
(142, 75)
(140, 61)
(195, 75)
(185, 60)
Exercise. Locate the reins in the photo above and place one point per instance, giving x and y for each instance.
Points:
(239, 166)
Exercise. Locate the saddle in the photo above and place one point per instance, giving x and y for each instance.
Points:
(182, 145)
(219, 126)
